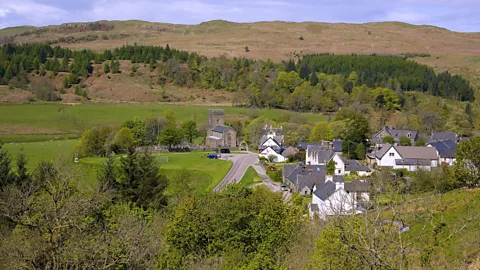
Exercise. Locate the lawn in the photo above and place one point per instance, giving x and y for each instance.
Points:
(40, 151)
(251, 177)
(20, 120)
(208, 172)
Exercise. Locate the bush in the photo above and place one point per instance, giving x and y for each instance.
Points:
(44, 90)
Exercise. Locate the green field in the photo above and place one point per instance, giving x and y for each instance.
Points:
(19, 121)
(251, 177)
(42, 151)
(208, 173)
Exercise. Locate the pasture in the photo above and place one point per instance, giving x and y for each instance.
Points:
(32, 122)
(208, 173)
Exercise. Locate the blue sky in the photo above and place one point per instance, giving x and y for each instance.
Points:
(457, 15)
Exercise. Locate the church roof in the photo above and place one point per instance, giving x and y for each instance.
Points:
(220, 129)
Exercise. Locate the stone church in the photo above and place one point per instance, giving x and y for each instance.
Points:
(219, 135)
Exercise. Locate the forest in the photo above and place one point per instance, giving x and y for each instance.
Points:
(324, 81)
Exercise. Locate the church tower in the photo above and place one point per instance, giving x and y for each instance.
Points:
(215, 118)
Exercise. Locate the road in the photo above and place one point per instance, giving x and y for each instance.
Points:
(241, 162)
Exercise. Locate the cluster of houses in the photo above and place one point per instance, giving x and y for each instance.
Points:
(440, 150)
(332, 195)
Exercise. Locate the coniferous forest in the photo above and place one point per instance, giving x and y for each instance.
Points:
(262, 84)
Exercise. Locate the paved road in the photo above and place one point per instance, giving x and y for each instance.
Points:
(241, 162)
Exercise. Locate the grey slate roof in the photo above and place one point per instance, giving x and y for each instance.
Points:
(447, 153)
(276, 148)
(443, 136)
(326, 190)
(337, 146)
(310, 180)
(356, 186)
(445, 149)
(447, 144)
(292, 171)
(303, 145)
(395, 133)
(220, 129)
(338, 178)
(354, 165)
(277, 139)
(413, 161)
(320, 152)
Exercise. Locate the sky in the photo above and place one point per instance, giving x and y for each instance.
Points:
(456, 15)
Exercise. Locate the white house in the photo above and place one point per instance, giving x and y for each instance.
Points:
(267, 152)
(271, 144)
(411, 158)
(446, 151)
(317, 155)
(335, 197)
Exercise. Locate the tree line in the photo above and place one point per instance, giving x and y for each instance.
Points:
(326, 80)
(387, 71)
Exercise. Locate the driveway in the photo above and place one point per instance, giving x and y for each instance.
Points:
(241, 162)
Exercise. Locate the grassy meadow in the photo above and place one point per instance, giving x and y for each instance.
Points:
(34, 122)
(208, 172)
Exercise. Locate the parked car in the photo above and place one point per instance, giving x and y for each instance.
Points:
(284, 188)
(213, 156)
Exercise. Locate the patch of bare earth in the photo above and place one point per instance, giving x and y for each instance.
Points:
(14, 95)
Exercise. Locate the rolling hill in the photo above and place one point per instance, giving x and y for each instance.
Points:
(458, 53)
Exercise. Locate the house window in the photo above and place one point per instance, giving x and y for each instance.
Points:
(409, 135)
(339, 171)
(392, 154)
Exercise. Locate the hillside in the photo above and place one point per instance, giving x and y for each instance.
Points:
(457, 52)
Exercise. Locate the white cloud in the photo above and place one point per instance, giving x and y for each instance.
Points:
(31, 12)
(3, 12)
(406, 16)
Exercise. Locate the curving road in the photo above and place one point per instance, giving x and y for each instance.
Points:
(241, 162)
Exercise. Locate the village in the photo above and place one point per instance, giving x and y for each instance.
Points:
(336, 185)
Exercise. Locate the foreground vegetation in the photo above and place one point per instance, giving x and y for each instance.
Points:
(135, 215)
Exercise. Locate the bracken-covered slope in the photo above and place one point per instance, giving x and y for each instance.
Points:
(456, 52)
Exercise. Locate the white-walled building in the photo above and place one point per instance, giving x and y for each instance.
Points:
(317, 155)
(411, 158)
(335, 197)
(267, 152)
(272, 145)
(446, 151)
